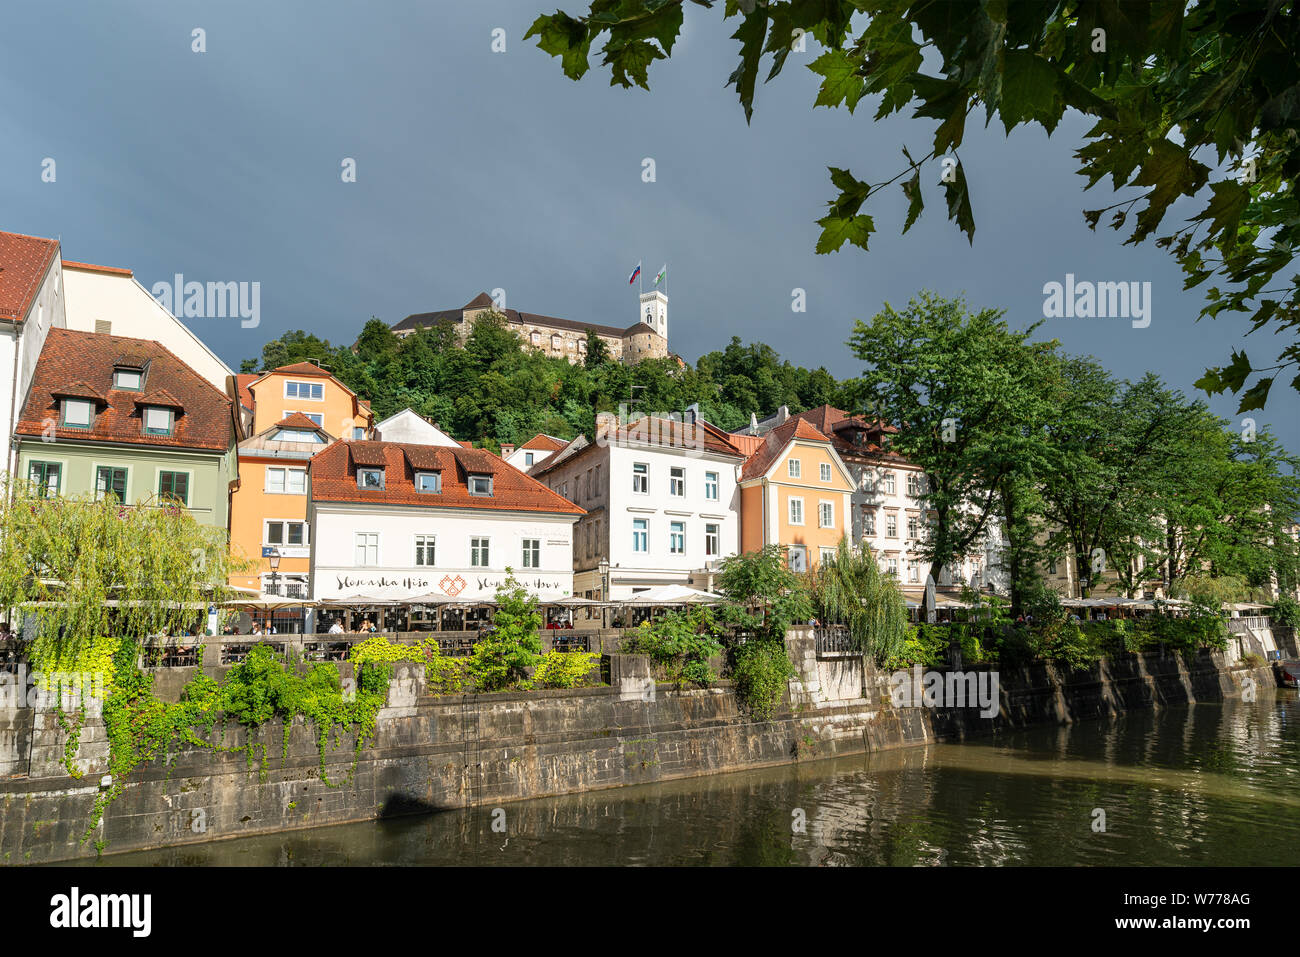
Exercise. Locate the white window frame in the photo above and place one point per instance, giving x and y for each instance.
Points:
(794, 468)
(641, 478)
(429, 544)
(534, 553)
(677, 481)
(317, 418)
(822, 519)
(428, 491)
(712, 540)
(358, 545)
(284, 532)
(712, 486)
(284, 489)
(641, 536)
(676, 538)
(790, 510)
(891, 526)
(311, 386)
(484, 551)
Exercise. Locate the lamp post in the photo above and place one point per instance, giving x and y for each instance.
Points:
(273, 559)
(603, 569)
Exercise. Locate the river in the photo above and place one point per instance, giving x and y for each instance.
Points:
(1201, 784)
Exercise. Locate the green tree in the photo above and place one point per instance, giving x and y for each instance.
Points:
(850, 589)
(505, 656)
(965, 386)
(764, 596)
(1165, 83)
(597, 350)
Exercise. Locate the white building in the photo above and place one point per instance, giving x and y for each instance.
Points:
(32, 302)
(414, 429)
(403, 520)
(533, 452)
(109, 300)
(661, 499)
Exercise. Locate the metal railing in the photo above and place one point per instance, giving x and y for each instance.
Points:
(835, 642)
(1238, 626)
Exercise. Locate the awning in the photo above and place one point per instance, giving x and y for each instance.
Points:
(672, 595)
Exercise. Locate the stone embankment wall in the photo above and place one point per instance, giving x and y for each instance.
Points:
(449, 752)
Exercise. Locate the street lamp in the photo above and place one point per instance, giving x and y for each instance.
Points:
(273, 559)
(603, 568)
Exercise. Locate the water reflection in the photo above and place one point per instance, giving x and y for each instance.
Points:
(1203, 784)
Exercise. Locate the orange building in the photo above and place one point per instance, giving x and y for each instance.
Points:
(288, 415)
(795, 491)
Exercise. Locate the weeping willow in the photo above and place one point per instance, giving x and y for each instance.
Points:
(851, 590)
(77, 572)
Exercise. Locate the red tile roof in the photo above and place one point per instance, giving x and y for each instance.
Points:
(24, 261)
(541, 442)
(837, 424)
(71, 356)
(303, 368)
(162, 398)
(242, 381)
(777, 441)
(110, 270)
(334, 478)
(654, 430)
(297, 421)
(80, 390)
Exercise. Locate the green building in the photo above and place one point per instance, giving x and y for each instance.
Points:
(108, 415)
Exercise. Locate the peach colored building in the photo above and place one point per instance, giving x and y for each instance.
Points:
(289, 415)
(795, 491)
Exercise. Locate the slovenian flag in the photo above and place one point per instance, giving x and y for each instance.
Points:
(635, 272)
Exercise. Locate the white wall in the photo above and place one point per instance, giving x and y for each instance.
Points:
(132, 312)
(48, 312)
(407, 426)
(335, 571)
(519, 458)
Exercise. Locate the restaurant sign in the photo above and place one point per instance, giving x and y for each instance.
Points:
(464, 586)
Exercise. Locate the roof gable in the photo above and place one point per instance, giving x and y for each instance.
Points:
(24, 261)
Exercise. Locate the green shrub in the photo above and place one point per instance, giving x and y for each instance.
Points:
(924, 644)
(681, 642)
(761, 671)
(561, 669)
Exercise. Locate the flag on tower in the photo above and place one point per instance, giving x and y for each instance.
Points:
(635, 272)
(663, 272)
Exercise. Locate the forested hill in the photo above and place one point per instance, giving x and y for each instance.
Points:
(492, 390)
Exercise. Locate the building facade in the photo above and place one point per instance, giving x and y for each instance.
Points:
(533, 452)
(110, 415)
(647, 338)
(32, 302)
(406, 521)
(795, 491)
(661, 500)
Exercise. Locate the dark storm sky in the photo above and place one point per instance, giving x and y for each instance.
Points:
(478, 170)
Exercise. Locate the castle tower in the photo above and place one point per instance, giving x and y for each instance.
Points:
(654, 311)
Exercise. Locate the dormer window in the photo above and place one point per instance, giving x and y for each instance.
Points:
(428, 481)
(370, 478)
(77, 414)
(480, 485)
(128, 379)
(298, 435)
(158, 420)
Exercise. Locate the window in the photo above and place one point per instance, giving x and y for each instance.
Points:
(711, 541)
(428, 481)
(677, 538)
(297, 435)
(370, 478)
(891, 566)
(528, 458)
(677, 481)
(796, 511)
(480, 552)
(794, 468)
(889, 483)
(174, 486)
(825, 514)
(798, 558)
(641, 478)
(425, 549)
(825, 471)
(286, 481)
(913, 484)
(480, 485)
(77, 413)
(110, 481)
(367, 548)
(825, 555)
(128, 379)
(711, 486)
(536, 338)
(313, 391)
(891, 526)
(868, 521)
(533, 551)
(564, 490)
(317, 418)
(913, 526)
(913, 572)
(557, 343)
(46, 476)
(640, 535)
(358, 433)
(157, 420)
(285, 533)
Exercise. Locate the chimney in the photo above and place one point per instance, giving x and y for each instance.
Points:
(753, 423)
(692, 414)
(506, 449)
(782, 413)
(606, 422)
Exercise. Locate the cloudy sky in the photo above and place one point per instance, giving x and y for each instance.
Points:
(479, 170)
